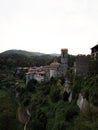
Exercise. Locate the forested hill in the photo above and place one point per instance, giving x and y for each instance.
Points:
(27, 53)
(13, 59)
(23, 52)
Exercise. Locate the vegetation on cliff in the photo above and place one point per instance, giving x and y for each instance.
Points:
(47, 103)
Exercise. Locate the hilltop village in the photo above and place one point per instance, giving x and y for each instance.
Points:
(56, 69)
(61, 94)
(45, 73)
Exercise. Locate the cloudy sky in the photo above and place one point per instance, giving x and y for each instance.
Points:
(49, 25)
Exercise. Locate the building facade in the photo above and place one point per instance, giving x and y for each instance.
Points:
(94, 52)
(64, 61)
(81, 65)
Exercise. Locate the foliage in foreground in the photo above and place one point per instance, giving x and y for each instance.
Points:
(48, 107)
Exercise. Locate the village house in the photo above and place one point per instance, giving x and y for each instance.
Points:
(81, 65)
(45, 73)
(56, 69)
(94, 52)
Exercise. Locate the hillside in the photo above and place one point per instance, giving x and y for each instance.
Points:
(46, 105)
(13, 60)
(23, 52)
(27, 53)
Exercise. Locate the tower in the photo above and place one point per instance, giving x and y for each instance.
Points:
(64, 61)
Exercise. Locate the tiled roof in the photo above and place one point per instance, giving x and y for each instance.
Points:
(55, 63)
(95, 46)
(42, 72)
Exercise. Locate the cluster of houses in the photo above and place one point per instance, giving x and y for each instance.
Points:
(45, 73)
(55, 69)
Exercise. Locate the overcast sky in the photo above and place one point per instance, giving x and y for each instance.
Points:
(49, 25)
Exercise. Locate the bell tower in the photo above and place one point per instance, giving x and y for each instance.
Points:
(64, 60)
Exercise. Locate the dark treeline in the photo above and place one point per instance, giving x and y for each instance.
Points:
(47, 103)
(16, 60)
(19, 60)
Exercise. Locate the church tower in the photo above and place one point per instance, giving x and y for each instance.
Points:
(64, 61)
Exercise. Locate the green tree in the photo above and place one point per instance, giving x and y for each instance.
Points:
(32, 84)
(8, 120)
(55, 95)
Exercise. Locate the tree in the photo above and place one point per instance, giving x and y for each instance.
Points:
(55, 95)
(32, 85)
(8, 120)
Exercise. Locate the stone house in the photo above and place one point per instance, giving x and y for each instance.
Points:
(55, 69)
(94, 52)
(36, 73)
(45, 73)
(81, 65)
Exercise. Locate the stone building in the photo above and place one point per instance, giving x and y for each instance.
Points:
(81, 65)
(55, 69)
(94, 52)
(64, 61)
(36, 73)
(45, 73)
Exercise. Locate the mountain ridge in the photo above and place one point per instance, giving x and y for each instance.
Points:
(27, 53)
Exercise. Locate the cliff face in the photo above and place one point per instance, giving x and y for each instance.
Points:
(84, 104)
(22, 115)
(85, 94)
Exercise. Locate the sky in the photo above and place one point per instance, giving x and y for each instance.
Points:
(49, 25)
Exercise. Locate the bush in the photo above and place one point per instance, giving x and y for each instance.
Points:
(60, 126)
(55, 95)
(85, 125)
(41, 120)
(8, 120)
(71, 112)
(32, 84)
(65, 96)
(45, 89)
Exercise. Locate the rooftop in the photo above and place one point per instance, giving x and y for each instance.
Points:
(55, 63)
(94, 46)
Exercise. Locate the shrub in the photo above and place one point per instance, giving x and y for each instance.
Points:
(59, 126)
(55, 95)
(32, 85)
(71, 112)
